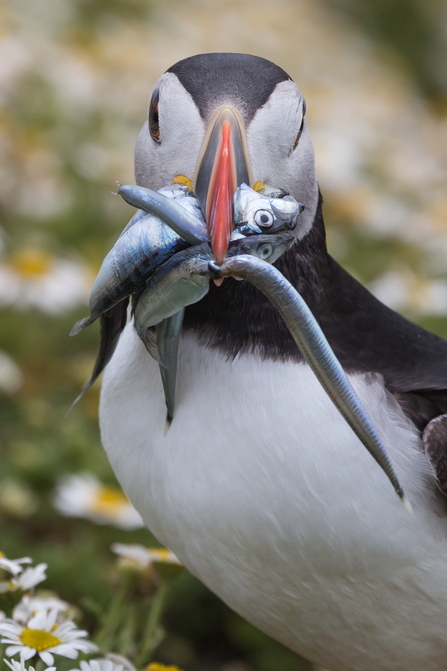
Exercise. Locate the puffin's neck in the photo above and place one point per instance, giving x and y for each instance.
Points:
(237, 317)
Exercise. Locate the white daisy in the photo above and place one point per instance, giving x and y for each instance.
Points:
(31, 605)
(36, 278)
(14, 566)
(27, 579)
(119, 659)
(20, 666)
(16, 497)
(144, 557)
(42, 635)
(11, 377)
(83, 495)
(30, 577)
(110, 663)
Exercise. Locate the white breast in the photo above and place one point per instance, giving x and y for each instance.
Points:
(269, 498)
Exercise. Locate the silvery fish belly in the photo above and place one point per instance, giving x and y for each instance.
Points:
(270, 210)
(134, 257)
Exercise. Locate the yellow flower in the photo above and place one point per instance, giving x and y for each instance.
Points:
(44, 636)
(35, 278)
(149, 563)
(31, 262)
(156, 666)
(83, 495)
(144, 557)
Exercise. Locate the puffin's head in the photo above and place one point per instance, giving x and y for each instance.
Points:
(222, 119)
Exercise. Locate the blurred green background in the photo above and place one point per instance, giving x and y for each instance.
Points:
(75, 76)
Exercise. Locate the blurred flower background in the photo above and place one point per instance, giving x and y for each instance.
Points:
(75, 76)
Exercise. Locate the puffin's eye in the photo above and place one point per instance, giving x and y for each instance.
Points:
(302, 125)
(266, 251)
(154, 126)
(263, 218)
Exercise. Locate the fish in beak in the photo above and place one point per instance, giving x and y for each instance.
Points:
(223, 165)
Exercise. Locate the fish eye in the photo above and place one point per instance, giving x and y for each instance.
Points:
(301, 126)
(263, 218)
(154, 125)
(266, 251)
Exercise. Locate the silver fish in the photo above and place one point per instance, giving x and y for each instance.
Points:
(189, 226)
(145, 244)
(178, 192)
(269, 212)
(315, 348)
(173, 287)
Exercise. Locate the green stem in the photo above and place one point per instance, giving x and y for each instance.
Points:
(110, 620)
(39, 665)
(150, 640)
(125, 642)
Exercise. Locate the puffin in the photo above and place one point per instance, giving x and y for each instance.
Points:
(260, 487)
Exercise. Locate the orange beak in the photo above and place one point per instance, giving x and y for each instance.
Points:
(222, 166)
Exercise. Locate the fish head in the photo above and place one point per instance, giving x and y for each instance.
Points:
(256, 212)
(266, 247)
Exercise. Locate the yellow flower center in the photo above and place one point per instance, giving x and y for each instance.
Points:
(2, 554)
(160, 554)
(31, 262)
(38, 639)
(109, 500)
(156, 666)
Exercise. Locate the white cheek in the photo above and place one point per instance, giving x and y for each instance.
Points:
(181, 128)
(270, 138)
(273, 130)
(181, 134)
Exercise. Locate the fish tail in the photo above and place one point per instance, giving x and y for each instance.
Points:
(81, 324)
(84, 389)
(168, 423)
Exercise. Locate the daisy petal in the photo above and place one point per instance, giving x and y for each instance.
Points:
(46, 657)
(51, 619)
(27, 653)
(38, 621)
(10, 628)
(66, 650)
(13, 649)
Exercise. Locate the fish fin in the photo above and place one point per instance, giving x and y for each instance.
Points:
(81, 324)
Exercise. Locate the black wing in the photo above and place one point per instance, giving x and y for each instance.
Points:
(413, 363)
(368, 336)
